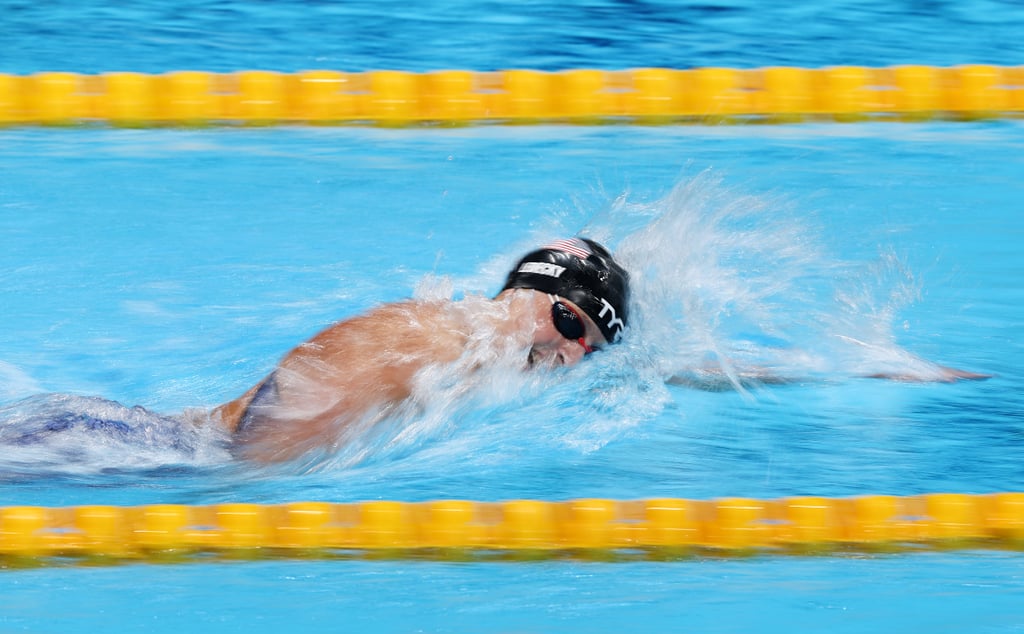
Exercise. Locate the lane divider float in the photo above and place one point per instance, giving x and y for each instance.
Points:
(652, 527)
(390, 97)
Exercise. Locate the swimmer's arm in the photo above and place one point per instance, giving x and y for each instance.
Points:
(714, 378)
(944, 374)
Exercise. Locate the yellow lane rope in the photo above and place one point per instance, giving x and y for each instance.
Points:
(644, 95)
(793, 524)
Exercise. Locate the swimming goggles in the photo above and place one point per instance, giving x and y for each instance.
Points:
(569, 324)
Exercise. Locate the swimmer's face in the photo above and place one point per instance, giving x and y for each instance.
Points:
(563, 335)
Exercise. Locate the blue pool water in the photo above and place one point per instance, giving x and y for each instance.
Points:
(295, 35)
(170, 269)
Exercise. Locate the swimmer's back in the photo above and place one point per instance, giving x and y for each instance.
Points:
(343, 372)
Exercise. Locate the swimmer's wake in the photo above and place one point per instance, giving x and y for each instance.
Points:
(62, 432)
(728, 292)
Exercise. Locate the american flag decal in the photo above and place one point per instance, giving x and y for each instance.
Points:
(573, 246)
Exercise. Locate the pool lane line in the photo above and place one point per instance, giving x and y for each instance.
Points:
(461, 97)
(628, 529)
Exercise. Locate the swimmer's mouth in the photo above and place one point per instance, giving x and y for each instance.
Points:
(531, 358)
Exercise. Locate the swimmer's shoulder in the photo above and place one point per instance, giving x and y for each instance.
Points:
(229, 415)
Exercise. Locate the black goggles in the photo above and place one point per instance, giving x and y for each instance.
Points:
(569, 324)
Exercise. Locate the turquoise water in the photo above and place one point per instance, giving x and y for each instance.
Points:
(171, 268)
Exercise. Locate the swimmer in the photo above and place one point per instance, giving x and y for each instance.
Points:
(559, 304)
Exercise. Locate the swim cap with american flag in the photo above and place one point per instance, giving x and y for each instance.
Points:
(574, 246)
(582, 271)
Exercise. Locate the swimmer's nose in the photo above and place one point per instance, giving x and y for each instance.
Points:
(564, 354)
(571, 352)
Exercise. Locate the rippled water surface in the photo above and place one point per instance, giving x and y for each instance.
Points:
(170, 269)
(156, 36)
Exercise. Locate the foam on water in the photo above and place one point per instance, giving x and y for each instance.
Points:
(63, 433)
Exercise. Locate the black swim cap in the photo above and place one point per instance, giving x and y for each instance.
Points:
(583, 272)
